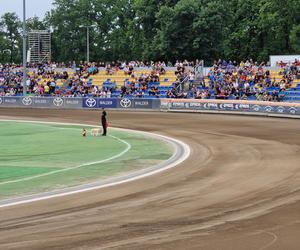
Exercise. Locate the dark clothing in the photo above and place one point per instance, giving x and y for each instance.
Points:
(104, 122)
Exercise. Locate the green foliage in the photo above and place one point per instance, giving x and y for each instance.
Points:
(295, 39)
(164, 29)
(10, 38)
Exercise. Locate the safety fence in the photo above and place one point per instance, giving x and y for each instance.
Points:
(232, 106)
(79, 103)
(175, 105)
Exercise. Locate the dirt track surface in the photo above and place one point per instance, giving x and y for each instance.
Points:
(240, 189)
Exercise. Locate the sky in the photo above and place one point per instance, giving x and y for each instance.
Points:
(34, 7)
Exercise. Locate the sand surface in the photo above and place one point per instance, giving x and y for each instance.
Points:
(239, 189)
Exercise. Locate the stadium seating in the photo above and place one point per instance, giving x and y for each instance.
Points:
(119, 77)
(83, 83)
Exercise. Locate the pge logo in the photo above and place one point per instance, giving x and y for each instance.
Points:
(280, 109)
(256, 108)
(1, 101)
(292, 110)
(91, 102)
(58, 102)
(268, 109)
(210, 105)
(27, 101)
(125, 103)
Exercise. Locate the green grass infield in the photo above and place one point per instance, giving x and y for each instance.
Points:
(41, 157)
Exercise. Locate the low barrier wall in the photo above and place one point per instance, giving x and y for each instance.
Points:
(79, 103)
(237, 106)
(183, 105)
(41, 102)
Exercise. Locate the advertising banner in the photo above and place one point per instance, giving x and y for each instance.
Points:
(99, 102)
(70, 103)
(107, 103)
(138, 103)
(193, 105)
(13, 101)
(142, 104)
(42, 102)
(125, 103)
(254, 107)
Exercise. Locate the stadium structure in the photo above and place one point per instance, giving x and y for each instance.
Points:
(195, 157)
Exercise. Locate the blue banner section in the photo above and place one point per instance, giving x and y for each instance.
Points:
(99, 103)
(40, 102)
(120, 103)
(107, 103)
(89, 103)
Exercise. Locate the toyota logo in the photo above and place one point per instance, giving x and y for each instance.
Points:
(58, 102)
(292, 110)
(91, 102)
(1, 100)
(125, 103)
(27, 101)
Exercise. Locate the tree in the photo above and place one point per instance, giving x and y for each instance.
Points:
(35, 24)
(165, 29)
(295, 39)
(10, 32)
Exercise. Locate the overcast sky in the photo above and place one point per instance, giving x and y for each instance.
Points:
(34, 7)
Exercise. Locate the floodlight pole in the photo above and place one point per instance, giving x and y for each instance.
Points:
(87, 40)
(24, 49)
(88, 44)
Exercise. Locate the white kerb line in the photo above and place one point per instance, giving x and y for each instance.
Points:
(128, 147)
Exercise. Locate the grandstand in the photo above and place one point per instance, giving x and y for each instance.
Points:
(273, 84)
(119, 77)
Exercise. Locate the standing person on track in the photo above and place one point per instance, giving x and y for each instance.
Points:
(104, 122)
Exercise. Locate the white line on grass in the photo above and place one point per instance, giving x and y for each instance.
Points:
(128, 147)
(177, 144)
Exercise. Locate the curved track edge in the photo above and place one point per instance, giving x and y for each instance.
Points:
(182, 152)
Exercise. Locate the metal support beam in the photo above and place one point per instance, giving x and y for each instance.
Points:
(24, 49)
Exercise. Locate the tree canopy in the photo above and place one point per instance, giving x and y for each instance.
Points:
(162, 30)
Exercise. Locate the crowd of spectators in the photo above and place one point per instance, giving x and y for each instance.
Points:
(246, 80)
(43, 78)
(128, 67)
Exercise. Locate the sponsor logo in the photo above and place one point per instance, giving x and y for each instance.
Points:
(292, 110)
(90, 102)
(27, 101)
(105, 102)
(40, 101)
(226, 106)
(187, 105)
(268, 109)
(10, 100)
(243, 106)
(256, 108)
(195, 105)
(178, 104)
(210, 105)
(141, 103)
(72, 102)
(1, 101)
(125, 103)
(280, 109)
(58, 102)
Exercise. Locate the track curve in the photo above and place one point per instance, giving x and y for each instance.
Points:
(242, 192)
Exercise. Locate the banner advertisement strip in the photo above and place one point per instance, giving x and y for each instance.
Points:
(257, 107)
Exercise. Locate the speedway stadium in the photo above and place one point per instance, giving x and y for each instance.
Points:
(199, 154)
